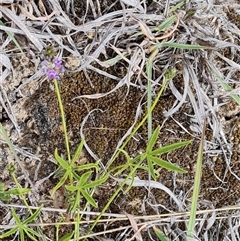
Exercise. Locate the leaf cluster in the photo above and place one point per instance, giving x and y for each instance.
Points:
(78, 178)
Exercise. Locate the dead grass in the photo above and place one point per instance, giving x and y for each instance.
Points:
(97, 33)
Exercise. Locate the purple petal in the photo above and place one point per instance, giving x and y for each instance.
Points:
(57, 62)
(52, 74)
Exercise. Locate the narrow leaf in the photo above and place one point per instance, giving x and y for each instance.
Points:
(60, 183)
(196, 187)
(89, 198)
(17, 191)
(67, 237)
(33, 216)
(78, 151)
(166, 149)
(152, 140)
(72, 188)
(165, 24)
(97, 182)
(31, 233)
(160, 234)
(183, 46)
(86, 167)
(5, 197)
(76, 202)
(8, 233)
(61, 162)
(84, 178)
(165, 164)
(11, 36)
(16, 218)
(151, 168)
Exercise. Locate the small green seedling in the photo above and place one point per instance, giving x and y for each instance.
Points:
(70, 171)
(160, 234)
(22, 227)
(152, 156)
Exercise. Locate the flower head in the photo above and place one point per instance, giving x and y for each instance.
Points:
(53, 68)
(52, 74)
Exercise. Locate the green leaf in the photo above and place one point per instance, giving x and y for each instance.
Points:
(126, 154)
(17, 191)
(97, 182)
(60, 183)
(165, 164)
(227, 88)
(30, 232)
(89, 198)
(160, 234)
(3, 194)
(113, 61)
(166, 149)
(5, 197)
(21, 227)
(16, 218)
(152, 140)
(84, 178)
(62, 162)
(21, 235)
(175, 7)
(9, 233)
(166, 23)
(76, 202)
(72, 188)
(11, 36)
(151, 168)
(196, 188)
(86, 167)
(182, 46)
(67, 236)
(74, 174)
(78, 152)
(33, 216)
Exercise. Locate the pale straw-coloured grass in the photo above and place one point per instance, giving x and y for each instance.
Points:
(206, 73)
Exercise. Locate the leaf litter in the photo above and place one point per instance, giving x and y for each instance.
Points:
(106, 30)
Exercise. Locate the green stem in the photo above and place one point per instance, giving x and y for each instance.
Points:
(196, 189)
(141, 123)
(122, 147)
(63, 118)
(113, 197)
(149, 90)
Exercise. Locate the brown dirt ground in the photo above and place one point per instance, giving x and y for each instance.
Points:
(42, 133)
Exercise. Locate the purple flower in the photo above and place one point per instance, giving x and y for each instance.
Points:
(57, 62)
(52, 74)
(53, 68)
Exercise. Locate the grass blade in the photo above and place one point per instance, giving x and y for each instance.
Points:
(182, 46)
(196, 188)
(10, 35)
(160, 234)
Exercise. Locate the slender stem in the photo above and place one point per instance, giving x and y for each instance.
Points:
(196, 189)
(141, 123)
(149, 90)
(120, 188)
(149, 98)
(63, 118)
